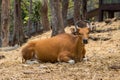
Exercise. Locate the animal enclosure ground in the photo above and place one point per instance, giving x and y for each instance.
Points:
(103, 53)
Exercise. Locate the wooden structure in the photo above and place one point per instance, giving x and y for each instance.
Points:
(109, 6)
(106, 7)
(93, 13)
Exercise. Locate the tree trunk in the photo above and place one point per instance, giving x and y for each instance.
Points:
(18, 35)
(57, 20)
(0, 24)
(44, 15)
(84, 9)
(5, 19)
(65, 4)
(29, 21)
(77, 16)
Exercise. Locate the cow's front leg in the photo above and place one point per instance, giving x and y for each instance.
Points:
(66, 56)
(81, 54)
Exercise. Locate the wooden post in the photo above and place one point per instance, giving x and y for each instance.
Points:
(101, 15)
(110, 14)
(100, 11)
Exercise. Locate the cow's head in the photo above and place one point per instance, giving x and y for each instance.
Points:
(82, 28)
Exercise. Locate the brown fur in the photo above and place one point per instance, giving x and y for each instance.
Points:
(62, 47)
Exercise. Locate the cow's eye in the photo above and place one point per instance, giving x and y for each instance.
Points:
(80, 34)
(88, 32)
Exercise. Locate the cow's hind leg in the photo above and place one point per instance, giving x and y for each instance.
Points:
(66, 56)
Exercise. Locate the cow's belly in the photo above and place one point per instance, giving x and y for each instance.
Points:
(47, 55)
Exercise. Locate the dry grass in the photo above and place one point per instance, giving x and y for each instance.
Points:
(103, 63)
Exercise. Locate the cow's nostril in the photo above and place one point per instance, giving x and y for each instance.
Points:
(85, 41)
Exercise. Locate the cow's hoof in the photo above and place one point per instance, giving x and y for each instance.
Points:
(31, 62)
(85, 59)
(71, 61)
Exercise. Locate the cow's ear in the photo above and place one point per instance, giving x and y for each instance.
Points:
(72, 30)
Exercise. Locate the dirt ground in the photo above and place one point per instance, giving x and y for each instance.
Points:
(103, 53)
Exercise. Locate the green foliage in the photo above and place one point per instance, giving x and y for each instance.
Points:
(71, 3)
(36, 10)
(36, 5)
(25, 10)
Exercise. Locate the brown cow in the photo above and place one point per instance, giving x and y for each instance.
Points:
(63, 47)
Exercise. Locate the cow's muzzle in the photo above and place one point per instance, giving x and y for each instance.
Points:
(85, 41)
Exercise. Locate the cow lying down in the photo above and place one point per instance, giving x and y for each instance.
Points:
(61, 48)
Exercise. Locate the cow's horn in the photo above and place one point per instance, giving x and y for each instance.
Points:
(76, 26)
(89, 26)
